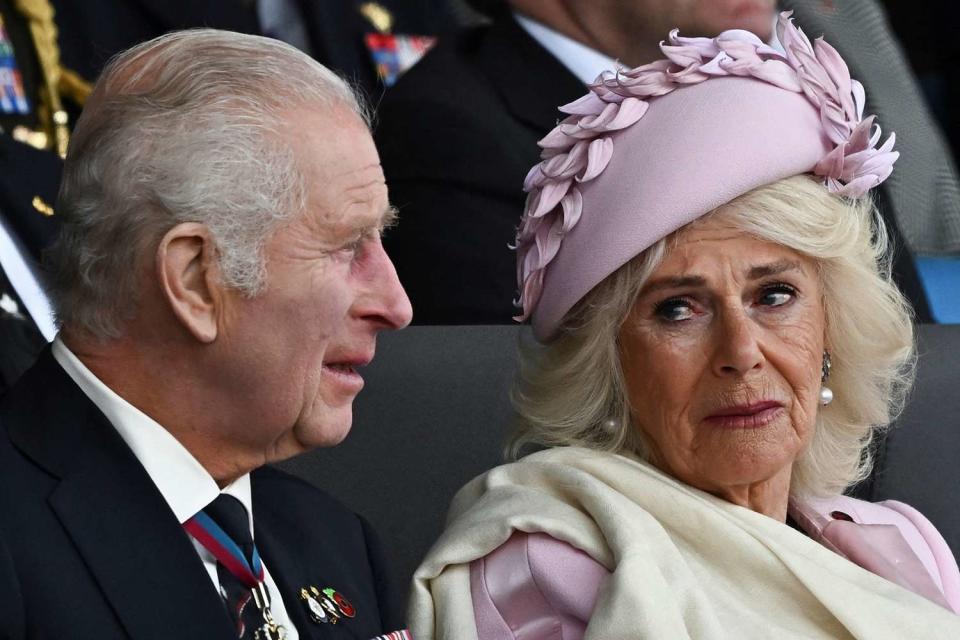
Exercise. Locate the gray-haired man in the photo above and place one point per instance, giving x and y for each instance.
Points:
(218, 281)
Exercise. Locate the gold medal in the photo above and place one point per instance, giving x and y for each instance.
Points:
(270, 630)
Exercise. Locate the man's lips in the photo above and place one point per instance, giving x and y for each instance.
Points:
(348, 362)
(343, 368)
(756, 414)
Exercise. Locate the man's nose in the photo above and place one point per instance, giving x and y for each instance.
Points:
(387, 303)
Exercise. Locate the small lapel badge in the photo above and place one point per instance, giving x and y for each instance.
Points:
(42, 206)
(326, 606)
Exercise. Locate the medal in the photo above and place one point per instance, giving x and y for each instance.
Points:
(343, 605)
(326, 606)
(270, 629)
(314, 608)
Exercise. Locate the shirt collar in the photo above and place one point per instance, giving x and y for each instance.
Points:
(185, 485)
(582, 61)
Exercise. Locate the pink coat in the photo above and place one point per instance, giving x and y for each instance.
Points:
(535, 587)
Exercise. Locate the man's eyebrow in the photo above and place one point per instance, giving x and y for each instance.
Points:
(386, 220)
(773, 269)
(389, 217)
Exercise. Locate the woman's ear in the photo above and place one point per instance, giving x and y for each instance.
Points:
(188, 274)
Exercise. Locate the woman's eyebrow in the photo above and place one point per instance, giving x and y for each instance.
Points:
(773, 269)
(673, 282)
(755, 273)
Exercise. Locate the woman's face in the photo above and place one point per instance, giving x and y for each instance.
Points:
(722, 354)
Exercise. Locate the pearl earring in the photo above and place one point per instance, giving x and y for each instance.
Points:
(826, 393)
(609, 425)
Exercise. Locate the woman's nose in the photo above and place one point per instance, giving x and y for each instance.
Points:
(737, 348)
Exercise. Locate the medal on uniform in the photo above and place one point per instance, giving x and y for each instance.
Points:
(317, 613)
(270, 629)
(326, 606)
(13, 98)
(391, 53)
(343, 605)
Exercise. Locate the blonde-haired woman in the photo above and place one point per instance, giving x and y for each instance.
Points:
(722, 342)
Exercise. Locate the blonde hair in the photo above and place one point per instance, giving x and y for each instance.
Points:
(572, 392)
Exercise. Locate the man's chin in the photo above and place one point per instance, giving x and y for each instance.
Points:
(327, 430)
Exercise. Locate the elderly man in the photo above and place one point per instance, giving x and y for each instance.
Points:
(219, 281)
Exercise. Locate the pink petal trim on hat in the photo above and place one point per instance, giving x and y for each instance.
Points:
(579, 148)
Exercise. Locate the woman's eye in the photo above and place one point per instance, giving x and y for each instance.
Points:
(674, 310)
(777, 295)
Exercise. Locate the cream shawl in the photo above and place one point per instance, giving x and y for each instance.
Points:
(684, 564)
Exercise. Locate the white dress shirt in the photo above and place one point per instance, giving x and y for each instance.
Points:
(182, 481)
(582, 61)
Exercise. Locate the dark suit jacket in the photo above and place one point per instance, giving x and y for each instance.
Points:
(90, 549)
(457, 135)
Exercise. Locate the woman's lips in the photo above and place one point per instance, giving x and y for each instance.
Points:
(752, 416)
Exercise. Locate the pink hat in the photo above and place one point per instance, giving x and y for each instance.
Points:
(651, 149)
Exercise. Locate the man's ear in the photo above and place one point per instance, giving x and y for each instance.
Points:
(188, 274)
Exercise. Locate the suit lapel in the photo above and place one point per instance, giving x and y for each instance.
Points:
(138, 553)
(531, 81)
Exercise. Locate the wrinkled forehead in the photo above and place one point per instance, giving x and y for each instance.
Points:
(343, 182)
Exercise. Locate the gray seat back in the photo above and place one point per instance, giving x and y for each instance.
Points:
(918, 461)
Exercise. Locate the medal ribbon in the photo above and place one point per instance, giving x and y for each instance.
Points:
(215, 540)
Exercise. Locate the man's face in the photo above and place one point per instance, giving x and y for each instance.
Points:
(293, 352)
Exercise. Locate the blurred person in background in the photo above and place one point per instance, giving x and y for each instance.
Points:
(29, 179)
(39, 98)
(491, 93)
(935, 61)
(369, 43)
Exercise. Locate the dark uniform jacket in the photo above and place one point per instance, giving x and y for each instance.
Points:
(29, 179)
(93, 31)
